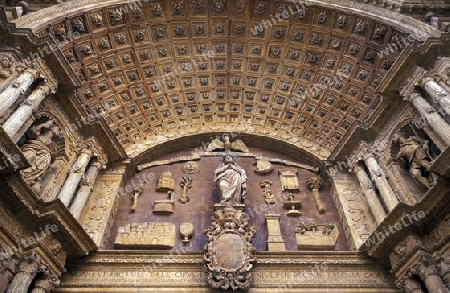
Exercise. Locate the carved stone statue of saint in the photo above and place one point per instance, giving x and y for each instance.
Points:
(231, 181)
(39, 151)
(414, 155)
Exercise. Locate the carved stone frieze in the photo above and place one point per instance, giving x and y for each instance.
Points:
(309, 235)
(146, 235)
(353, 210)
(404, 248)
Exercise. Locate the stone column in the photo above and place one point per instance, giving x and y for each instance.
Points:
(438, 93)
(275, 241)
(45, 283)
(315, 183)
(378, 175)
(85, 189)
(21, 115)
(19, 86)
(427, 271)
(7, 269)
(369, 191)
(429, 113)
(76, 173)
(28, 268)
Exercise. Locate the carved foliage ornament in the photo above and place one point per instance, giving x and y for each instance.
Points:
(229, 255)
(7, 66)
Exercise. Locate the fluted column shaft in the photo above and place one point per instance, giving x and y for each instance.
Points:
(437, 92)
(70, 185)
(434, 284)
(434, 119)
(21, 115)
(370, 193)
(427, 271)
(85, 190)
(378, 175)
(28, 269)
(19, 86)
(6, 273)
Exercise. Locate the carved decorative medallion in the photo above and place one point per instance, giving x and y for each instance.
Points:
(229, 254)
(190, 167)
(263, 166)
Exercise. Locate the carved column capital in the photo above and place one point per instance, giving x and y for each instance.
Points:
(30, 264)
(410, 285)
(46, 282)
(424, 80)
(424, 267)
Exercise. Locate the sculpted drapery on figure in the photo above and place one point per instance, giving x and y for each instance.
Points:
(414, 155)
(231, 181)
(39, 151)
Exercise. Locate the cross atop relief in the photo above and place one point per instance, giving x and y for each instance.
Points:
(227, 145)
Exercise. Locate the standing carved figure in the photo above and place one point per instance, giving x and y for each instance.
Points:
(231, 181)
(39, 151)
(414, 155)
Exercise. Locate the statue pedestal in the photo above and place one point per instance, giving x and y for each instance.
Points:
(164, 206)
(236, 206)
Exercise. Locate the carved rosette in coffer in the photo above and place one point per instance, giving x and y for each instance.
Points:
(229, 254)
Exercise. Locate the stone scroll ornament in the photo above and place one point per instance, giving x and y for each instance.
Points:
(229, 254)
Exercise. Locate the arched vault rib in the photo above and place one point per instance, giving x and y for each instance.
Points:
(163, 69)
(199, 138)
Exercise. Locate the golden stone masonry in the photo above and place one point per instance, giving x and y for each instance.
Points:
(225, 145)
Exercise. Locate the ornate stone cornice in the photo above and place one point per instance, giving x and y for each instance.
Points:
(409, 85)
(46, 74)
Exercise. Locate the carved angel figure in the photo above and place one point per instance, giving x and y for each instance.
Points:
(414, 155)
(231, 181)
(39, 152)
(227, 145)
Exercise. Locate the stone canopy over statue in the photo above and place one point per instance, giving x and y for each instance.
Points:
(231, 182)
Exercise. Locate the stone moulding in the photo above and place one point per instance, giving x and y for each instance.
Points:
(154, 270)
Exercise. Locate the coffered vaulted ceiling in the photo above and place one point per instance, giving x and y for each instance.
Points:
(174, 67)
